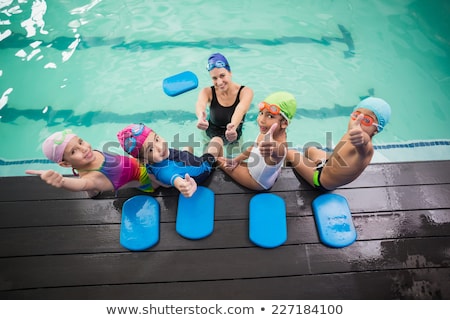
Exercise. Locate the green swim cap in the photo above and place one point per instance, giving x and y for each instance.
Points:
(285, 101)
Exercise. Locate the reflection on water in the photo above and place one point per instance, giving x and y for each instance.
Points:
(17, 40)
(68, 117)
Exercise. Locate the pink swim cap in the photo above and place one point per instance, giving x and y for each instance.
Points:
(54, 146)
(132, 138)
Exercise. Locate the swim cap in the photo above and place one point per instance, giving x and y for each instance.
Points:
(217, 57)
(379, 107)
(132, 138)
(285, 101)
(54, 146)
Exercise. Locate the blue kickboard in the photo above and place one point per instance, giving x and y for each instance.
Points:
(180, 83)
(195, 215)
(140, 223)
(267, 220)
(334, 220)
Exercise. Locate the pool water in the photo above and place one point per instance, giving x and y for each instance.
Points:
(96, 66)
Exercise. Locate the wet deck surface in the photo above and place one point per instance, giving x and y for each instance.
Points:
(56, 244)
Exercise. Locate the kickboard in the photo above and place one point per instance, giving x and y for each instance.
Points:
(334, 220)
(139, 229)
(195, 215)
(180, 83)
(267, 220)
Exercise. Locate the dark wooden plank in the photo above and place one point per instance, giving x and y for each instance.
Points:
(397, 198)
(375, 255)
(385, 174)
(54, 241)
(388, 285)
(402, 224)
(141, 267)
(73, 212)
(227, 206)
(423, 196)
(239, 263)
(58, 213)
(376, 175)
(17, 242)
(418, 173)
(32, 188)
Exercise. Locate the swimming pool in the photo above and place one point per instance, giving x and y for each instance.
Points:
(96, 66)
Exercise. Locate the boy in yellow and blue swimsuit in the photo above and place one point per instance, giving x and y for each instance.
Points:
(352, 154)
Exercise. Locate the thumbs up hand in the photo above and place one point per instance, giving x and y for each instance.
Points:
(52, 178)
(268, 145)
(202, 123)
(356, 134)
(231, 133)
(186, 186)
(229, 163)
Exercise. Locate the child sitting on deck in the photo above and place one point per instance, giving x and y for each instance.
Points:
(352, 154)
(171, 167)
(98, 171)
(266, 156)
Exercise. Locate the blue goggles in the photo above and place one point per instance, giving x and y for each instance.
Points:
(217, 64)
(129, 143)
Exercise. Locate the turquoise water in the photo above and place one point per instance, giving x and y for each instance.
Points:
(96, 66)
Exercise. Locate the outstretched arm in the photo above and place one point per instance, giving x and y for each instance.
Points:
(200, 108)
(231, 164)
(93, 184)
(245, 100)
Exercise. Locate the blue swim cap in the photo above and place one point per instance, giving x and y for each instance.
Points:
(217, 60)
(379, 107)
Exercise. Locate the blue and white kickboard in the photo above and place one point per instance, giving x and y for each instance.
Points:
(267, 220)
(180, 83)
(195, 215)
(334, 220)
(140, 223)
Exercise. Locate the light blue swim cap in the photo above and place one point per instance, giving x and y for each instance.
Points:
(379, 107)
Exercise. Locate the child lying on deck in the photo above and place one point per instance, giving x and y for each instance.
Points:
(97, 171)
(258, 167)
(171, 167)
(352, 154)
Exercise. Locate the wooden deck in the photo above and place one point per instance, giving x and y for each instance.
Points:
(56, 244)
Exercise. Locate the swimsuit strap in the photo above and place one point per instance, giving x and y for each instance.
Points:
(238, 96)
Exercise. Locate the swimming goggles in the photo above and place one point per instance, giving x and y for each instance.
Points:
(217, 64)
(366, 121)
(62, 137)
(57, 141)
(272, 108)
(129, 143)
